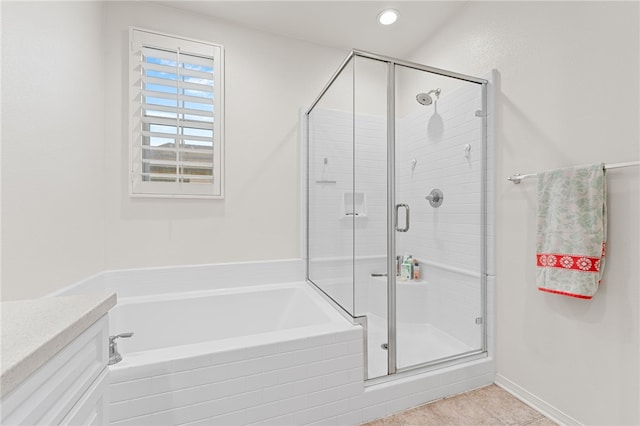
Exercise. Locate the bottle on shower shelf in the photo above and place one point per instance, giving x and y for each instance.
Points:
(416, 270)
(406, 269)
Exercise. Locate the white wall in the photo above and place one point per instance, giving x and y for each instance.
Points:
(568, 94)
(268, 79)
(68, 215)
(52, 146)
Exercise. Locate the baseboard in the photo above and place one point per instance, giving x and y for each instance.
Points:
(534, 402)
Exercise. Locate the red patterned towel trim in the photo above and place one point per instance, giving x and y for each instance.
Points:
(567, 261)
(564, 293)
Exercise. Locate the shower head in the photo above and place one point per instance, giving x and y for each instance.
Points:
(425, 98)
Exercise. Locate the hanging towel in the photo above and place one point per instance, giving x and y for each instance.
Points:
(572, 230)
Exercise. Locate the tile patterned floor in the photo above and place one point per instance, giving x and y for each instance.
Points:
(490, 405)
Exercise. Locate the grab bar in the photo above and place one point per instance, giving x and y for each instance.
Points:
(406, 226)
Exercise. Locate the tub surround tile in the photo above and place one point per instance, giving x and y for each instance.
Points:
(276, 362)
(33, 331)
(275, 421)
(132, 368)
(264, 350)
(335, 379)
(264, 411)
(308, 386)
(331, 390)
(267, 387)
(292, 405)
(349, 418)
(130, 390)
(261, 381)
(356, 374)
(188, 361)
(279, 392)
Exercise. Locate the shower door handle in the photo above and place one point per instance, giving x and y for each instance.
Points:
(406, 224)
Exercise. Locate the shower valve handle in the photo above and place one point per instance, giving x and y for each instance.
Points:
(435, 198)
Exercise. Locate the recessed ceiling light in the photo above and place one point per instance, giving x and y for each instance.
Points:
(388, 17)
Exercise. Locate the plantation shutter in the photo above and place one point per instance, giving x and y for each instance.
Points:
(176, 87)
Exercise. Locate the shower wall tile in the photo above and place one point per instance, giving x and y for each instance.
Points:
(450, 234)
(446, 237)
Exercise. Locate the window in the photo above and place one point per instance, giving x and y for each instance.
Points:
(176, 88)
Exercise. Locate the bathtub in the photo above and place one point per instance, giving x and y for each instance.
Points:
(232, 356)
(249, 343)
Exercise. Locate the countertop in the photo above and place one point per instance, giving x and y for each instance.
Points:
(35, 330)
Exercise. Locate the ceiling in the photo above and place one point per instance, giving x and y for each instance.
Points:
(340, 24)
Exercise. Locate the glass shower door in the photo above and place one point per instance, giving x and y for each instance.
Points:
(396, 223)
(439, 233)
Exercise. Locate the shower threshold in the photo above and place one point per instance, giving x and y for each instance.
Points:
(417, 344)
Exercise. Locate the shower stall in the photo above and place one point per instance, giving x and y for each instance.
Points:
(396, 209)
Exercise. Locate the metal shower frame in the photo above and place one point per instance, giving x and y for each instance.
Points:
(392, 368)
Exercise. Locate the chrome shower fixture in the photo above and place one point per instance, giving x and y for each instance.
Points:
(425, 98)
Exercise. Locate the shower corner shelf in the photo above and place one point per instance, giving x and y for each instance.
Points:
(413, 282)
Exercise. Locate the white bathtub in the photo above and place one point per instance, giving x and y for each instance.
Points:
(233, 356)
(221, 318)
(306, 367)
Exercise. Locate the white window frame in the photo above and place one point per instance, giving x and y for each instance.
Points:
(138, 187)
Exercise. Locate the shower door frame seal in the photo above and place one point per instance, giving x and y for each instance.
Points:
(392, 368)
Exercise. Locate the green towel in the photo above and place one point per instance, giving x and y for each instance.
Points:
(572, 230)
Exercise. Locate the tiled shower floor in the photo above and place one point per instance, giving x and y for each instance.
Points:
(489, 405)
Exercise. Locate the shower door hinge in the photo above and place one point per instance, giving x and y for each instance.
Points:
(480, 113)
(479, 320)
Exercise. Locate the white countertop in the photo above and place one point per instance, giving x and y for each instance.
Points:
(35, 330)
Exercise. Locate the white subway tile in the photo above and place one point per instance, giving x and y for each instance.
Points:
(265, 411)
(292, 405)
(350, 418)
(308, 385)
(308, 356)
(278, 392)
(119, 410)
(124, 391)
(276, 362)
(275, 421)
(260, 381)
(292, 374)
(335, 379)
(245, 368)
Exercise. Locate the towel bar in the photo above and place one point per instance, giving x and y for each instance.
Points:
(516, 178)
